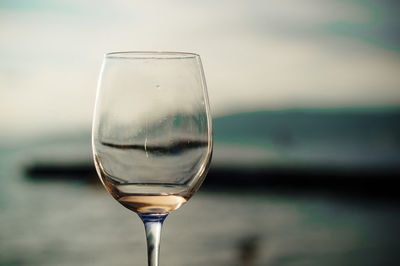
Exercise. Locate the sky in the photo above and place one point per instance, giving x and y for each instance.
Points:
(257, 55)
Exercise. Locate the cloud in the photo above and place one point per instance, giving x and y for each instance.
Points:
(256, 54)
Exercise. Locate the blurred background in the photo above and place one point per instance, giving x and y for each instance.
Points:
(305, 97)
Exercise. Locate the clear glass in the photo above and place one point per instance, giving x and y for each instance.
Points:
(152, 134)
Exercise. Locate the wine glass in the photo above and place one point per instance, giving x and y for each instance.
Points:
(152, 134)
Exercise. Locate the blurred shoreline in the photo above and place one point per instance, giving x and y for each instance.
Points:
(352, 153)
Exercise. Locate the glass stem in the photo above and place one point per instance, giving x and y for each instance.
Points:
(153, 225)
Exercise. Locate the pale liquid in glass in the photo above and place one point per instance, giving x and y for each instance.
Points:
(173, 161)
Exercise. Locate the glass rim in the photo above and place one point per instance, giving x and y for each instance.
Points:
(150, 55)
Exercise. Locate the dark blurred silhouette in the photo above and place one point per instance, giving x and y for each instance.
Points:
(248, 249)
